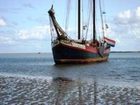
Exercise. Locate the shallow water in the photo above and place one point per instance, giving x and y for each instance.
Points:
(35, 79)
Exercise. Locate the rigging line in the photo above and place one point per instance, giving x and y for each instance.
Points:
(102, 20)
(67, 15)
(51, 28)
(82, 19)
(105, 20)
(76, 17)
(90, 11)
(91, 24)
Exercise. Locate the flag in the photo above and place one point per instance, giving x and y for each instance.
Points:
(109, 41)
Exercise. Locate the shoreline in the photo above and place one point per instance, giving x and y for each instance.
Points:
(125, 51)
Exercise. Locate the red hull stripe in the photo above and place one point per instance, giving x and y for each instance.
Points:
(89, 49)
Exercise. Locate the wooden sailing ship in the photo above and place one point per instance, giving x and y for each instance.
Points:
(67, 50)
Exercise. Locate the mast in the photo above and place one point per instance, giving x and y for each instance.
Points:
(94, 19)
(79, 19)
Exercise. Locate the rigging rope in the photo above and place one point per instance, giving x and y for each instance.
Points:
(76, 29)
(102, 18)
(67, 14)
(105, 20)
(89, 16)
(83, 20)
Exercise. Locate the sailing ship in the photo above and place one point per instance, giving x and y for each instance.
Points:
(68, 50)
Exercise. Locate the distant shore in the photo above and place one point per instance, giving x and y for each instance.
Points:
(125, 51)
(51, 52)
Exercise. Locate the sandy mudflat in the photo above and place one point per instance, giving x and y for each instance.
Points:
(62, 91)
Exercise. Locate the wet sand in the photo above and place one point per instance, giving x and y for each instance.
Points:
(64, 91)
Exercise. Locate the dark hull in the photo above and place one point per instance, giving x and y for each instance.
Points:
(68, 54)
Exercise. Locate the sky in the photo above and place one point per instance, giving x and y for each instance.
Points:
(25, 26)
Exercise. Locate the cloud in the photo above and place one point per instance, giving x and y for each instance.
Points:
(125, 14)
(28, 5)
(2, 22)
(129, 16)
(128, 23)
(125, 30)
(6, 40)
(36, 33)
(10, 10)
(138, 12)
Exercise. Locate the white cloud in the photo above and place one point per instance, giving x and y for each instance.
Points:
(125, 28)
(2, 22)
(128, 22)
(38, 33)
(138, 12)
(6, 40)
(131, 17)
(125, 14)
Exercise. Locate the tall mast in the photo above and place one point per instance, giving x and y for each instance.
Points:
(79, 19)
(94, 19)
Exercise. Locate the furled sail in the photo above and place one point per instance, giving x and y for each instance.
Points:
(60, 32)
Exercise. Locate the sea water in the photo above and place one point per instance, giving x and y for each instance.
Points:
(35, 79)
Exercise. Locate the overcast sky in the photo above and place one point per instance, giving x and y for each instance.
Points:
(24, 24)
